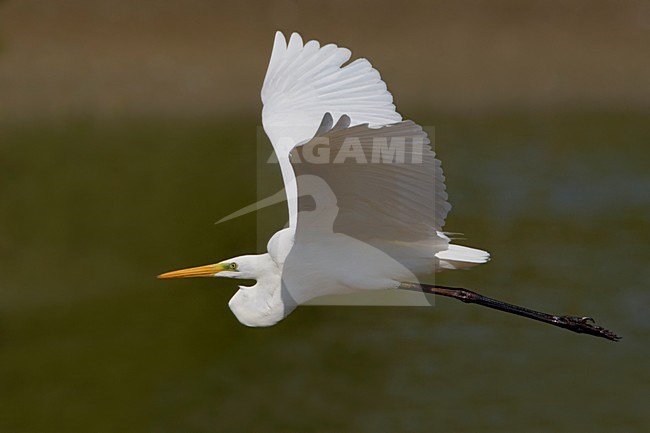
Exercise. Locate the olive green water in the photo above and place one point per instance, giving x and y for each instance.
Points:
(90, 341)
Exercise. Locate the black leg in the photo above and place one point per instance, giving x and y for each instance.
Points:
(582, 325)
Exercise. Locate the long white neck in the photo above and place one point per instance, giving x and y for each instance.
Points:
(262, 304)
(290, 187)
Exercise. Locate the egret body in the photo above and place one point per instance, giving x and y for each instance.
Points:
(366, 217)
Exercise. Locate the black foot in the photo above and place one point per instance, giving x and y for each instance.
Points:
(584, 325)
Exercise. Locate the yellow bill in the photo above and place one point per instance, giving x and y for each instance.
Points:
(198, 271)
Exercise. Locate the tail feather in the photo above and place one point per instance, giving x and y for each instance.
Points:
(460, 257)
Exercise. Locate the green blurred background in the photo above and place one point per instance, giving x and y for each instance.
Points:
(127, 129)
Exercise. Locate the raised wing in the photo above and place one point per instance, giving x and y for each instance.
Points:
(373, 184)
(305, 81)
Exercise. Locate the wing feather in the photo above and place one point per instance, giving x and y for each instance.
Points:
(396, 200)
(304, 81)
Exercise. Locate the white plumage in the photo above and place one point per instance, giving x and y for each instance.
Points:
(367, 217)
(305, 81)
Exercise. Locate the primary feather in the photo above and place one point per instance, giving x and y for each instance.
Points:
(305, 81)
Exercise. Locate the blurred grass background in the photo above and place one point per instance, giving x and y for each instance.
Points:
(127, 129)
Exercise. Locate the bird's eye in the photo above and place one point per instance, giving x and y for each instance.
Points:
(233, 266)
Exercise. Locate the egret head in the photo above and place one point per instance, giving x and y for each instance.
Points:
(257, 305)
(242, 267)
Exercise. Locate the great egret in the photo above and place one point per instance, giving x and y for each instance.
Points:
(366, 195)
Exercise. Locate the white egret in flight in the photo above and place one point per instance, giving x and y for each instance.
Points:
(366, 195)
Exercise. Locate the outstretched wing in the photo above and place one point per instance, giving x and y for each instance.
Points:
(305, 81)
(379, 185)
